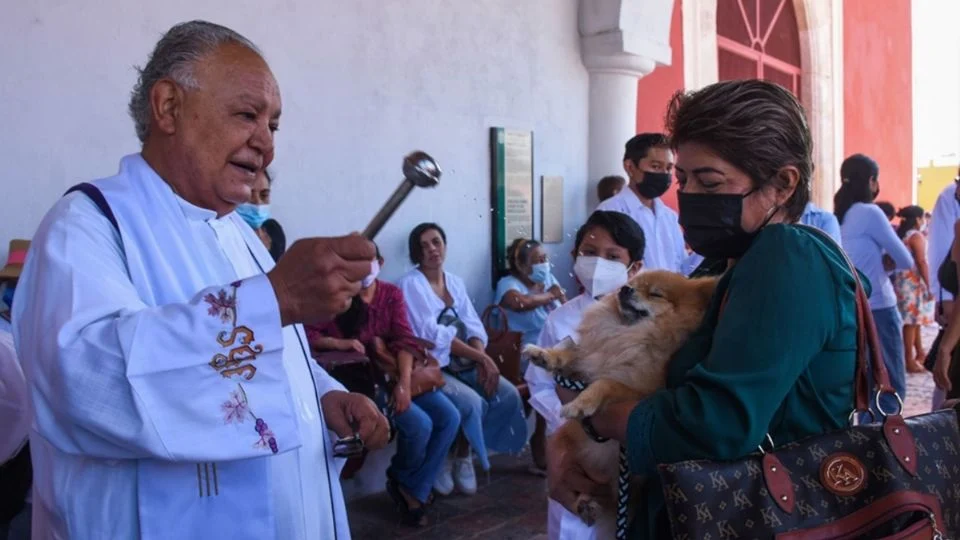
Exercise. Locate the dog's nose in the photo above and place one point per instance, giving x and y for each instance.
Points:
(643, 313)
(626, 292)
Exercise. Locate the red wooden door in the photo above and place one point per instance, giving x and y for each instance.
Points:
(759, 39)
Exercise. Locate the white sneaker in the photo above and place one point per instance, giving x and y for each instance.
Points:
(443, 485)
(464, 476)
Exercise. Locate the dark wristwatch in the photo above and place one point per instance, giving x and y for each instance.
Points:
(587, 423)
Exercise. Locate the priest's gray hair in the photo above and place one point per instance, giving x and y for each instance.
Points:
(174, 57)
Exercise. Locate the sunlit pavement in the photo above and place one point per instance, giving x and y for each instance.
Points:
(512, 505)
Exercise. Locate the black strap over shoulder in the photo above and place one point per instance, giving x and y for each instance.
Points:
(95, 195)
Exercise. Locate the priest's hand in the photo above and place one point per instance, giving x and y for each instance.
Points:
(349, 413)
(316, 278)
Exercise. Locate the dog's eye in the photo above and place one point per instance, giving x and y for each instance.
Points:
(655, 294)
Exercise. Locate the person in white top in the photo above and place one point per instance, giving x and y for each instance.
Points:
(15, 467)
(648, 162)
(169, 374)
(608, 251)
(441, 312)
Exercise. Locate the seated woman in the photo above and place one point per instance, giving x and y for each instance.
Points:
(608, 251)
(441, 312)
(256, 212)
(426, 424)
(780, 358)
(527, 295)
(529, 292)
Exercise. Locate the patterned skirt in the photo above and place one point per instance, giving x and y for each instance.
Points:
(914, 300)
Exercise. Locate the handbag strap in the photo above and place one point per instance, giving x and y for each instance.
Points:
(497, 332)
(868, 342)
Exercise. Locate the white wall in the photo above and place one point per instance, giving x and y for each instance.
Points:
(363, 83)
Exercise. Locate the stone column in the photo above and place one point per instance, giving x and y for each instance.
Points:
(613, 114)
(621, 41)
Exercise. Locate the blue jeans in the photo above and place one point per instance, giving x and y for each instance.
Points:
(496, 423)
(890, 331)
(425, 433)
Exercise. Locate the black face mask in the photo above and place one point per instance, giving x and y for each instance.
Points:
(711, 224)
(654, 184)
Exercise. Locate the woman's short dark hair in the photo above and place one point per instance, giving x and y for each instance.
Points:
(415, 250)
(518, 254)
(910, 217)
(757, 126)
(855, 174)
(621, 227)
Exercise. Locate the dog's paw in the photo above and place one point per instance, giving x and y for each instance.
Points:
(588, 509)
(539, 357)
(578, 409)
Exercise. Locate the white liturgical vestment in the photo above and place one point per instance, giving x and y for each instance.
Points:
(169, 401)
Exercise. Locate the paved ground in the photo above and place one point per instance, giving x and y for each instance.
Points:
(512, 505)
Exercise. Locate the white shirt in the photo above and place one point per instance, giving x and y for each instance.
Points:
(132, 436)
(945, 214)
(14, 406)
(561, 325)
(661, 229)
(424, 308)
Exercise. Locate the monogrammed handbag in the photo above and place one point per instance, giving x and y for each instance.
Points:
(896, 479)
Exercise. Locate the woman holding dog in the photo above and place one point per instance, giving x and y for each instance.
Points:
(608, 251)
(780, 358)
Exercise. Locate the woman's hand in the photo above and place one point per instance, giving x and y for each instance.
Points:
(488, 375)
(611, 421)
(351, 345)
(401, 397)
(941, 369)
(567, 478)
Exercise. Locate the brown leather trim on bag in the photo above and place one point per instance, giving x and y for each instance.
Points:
(901, 442)
(778, 481)
(858, 523)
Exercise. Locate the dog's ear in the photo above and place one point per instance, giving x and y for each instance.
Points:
(705, 288)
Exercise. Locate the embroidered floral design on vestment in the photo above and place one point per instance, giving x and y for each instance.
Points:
(222, 305)
(236, 409)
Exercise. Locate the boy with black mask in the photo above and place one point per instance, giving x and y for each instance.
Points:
(648, 161)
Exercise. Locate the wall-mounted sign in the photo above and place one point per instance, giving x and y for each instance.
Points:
(551, 209)
(511, 154)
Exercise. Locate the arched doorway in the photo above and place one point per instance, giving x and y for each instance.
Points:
(759, 39)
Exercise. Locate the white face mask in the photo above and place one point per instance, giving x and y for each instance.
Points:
(600, 276)
(374, 272)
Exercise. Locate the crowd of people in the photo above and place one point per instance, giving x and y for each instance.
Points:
(174, 370)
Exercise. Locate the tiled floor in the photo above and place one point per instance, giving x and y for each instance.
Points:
(512, 505)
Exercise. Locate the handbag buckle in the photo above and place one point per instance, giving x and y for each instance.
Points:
(884, 413)
(769, 439)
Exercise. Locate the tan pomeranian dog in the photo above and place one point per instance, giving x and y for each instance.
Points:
(626, 342)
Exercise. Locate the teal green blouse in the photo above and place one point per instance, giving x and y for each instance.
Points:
(780, 359)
